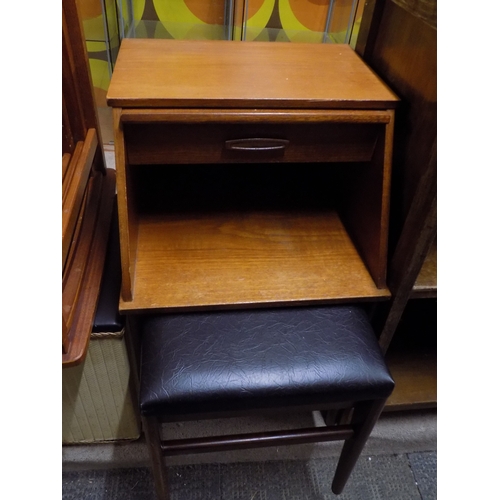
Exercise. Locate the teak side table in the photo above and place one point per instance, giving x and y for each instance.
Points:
(250, 174)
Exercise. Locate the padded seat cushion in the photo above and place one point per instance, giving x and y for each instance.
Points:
(208, 362)
(107, 318)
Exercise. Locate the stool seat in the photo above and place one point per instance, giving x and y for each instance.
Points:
(217, 362)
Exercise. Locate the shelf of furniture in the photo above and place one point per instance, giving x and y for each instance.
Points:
(415, 378)
(250, 174)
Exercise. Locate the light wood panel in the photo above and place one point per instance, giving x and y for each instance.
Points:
(74, 189)
(415, 374)
(277, 116)
(246, 260)
(126, 210)
(82, 280)
(168, 73)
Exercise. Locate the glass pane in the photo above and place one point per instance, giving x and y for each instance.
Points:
(312, 21)
(177, 19)
(345, 21)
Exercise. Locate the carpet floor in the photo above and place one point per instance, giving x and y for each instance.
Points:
(411, 476)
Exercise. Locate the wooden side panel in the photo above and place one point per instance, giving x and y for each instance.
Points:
(416, 238)
(75, 268)
(74, 194)
(126, 211)
(403, 53)
(364, 205)
(87, 284)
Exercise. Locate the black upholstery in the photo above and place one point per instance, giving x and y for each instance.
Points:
(253, 359)
(107, 317)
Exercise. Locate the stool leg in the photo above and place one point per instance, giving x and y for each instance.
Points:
(364, 418)
(152, 430)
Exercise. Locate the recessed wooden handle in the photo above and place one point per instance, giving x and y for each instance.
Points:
(256, 144)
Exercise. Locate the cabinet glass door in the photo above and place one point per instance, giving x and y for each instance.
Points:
(311, 21)
(177, 19)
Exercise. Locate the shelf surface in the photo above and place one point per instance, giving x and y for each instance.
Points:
(426, 283)
(415, 374)
(246, 259)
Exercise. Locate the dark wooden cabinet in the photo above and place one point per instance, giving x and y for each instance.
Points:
(398, 40)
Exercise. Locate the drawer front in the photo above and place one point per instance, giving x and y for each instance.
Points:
(174, 143)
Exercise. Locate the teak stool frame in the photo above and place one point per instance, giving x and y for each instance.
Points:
(355, 434)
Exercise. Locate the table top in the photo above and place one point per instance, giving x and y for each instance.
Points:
(153, 73)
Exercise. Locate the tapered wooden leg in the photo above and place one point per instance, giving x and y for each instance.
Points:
(152, 430)
(364, 418)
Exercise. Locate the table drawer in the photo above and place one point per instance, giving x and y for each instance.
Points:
(164, 143)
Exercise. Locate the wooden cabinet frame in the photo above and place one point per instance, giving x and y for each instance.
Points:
(173, 118)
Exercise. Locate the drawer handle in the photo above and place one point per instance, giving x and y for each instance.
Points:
(256, 144)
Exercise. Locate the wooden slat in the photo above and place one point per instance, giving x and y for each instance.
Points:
(218, 74)
(200, 116)
(68, 137)
(246, 260)
(65, 336)
(75, 268)
(74, 194)
(72, 168)
(81, 326)
(76, 235)
(66, 158)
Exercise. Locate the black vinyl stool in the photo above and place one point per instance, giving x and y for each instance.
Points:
(235, 363)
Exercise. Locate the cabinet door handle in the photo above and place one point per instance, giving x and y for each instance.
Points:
(256, 144)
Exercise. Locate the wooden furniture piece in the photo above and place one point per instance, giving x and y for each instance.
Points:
(239, 363)
(250, 174)
(87, 194)
(398, 39)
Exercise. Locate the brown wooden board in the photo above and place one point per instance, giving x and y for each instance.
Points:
(215, 73)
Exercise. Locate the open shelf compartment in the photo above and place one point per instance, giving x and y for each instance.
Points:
(412, 357)
(246, 235)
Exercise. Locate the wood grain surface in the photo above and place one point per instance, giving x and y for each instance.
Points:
(415, 375)
(214, 73)
(179, 143)
(81, 304)
(246, 259)
(182, 102)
